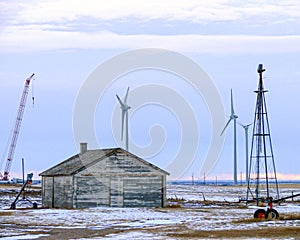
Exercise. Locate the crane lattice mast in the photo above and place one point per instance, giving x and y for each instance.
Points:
(16, 131)
(262, 172)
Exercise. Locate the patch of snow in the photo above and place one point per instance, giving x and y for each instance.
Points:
(130, 235)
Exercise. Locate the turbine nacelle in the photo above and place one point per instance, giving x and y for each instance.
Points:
(260, 68)
(123, 105)
(232, 116)
(245, 126)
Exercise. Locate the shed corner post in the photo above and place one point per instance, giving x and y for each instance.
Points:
(164, 191)
(53, 192)
(43, 191)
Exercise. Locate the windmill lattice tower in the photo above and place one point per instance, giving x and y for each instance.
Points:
(262, 180)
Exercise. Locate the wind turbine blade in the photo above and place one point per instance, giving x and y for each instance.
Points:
(122, 129)
(125, 99)
(232, 109)
(226, 125)
(242, 125)
(120, 101)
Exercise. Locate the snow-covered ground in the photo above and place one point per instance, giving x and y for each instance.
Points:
(145, 223)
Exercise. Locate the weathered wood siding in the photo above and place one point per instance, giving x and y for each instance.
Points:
(90, 192)
(116, 192)
(63, 192)
(119, 180)
(128, 183)
(118, 165)
(57, 192)
(47, 192)
(143, 191)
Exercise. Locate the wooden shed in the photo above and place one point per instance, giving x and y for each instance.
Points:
(104, 177)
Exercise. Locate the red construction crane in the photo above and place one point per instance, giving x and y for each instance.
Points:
(16, 131)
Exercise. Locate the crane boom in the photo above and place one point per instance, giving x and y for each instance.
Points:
(16, 131)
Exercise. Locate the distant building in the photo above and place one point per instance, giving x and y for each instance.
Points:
(103, 177)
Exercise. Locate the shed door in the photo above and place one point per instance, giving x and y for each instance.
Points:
(116, 192)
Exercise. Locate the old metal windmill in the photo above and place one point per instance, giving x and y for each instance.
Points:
(262, 181)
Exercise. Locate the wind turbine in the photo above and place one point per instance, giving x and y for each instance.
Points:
(125, 107)
(246, 128)
(233, 117)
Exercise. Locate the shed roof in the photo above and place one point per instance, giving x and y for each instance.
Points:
(81, 161)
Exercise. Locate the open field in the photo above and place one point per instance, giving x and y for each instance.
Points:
(195, 212)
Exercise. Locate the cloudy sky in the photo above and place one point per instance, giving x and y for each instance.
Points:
(63, 42)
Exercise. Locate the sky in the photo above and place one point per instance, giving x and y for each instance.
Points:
(64, 42)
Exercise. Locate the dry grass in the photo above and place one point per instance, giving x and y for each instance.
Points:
(68, 233)
(182, 202)
(280, 185)
(174, 205)
(249, 220)
(178, 232)
(294, 216)
(5, 213)
(218, 203)
(284, 217)
(176, 199)
(289, 185)
(18, 186)
(13, 189)
(270, 233)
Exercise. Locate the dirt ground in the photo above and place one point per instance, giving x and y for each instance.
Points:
(178, 232)
(168, 231)
(185, 229)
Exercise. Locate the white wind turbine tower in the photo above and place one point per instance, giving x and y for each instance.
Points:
(246, 128)
(233, 117)
(125, 109)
